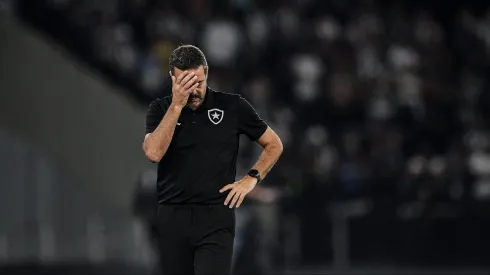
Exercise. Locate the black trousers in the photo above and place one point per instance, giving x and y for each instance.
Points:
(196, 239)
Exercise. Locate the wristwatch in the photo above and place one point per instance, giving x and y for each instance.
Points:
(254, 173)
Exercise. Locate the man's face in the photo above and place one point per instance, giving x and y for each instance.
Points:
(196, 98)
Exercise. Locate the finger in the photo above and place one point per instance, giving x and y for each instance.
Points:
(181, 76)
(186, 79)
(242, 197)
(190, 83)
(192, 88)
(235, 199)
(230, 196)
(227, 187)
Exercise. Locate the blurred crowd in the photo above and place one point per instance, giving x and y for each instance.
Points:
(387, 100)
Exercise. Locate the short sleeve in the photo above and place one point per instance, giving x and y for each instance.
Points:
(249, 122)
(154, 115)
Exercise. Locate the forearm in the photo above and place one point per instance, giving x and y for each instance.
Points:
(268, 158)
(157, 143)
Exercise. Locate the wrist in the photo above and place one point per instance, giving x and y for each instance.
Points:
(251, 179)
(176, 107)
(254, 174)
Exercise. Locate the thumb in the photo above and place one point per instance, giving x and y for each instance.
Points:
(227, 187)
(172, 76)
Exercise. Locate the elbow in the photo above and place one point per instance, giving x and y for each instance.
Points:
(276, 147)
(280, 147)
(278, 144)
(154, 157)
(152, 154)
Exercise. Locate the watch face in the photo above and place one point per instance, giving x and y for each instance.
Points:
(253, 173)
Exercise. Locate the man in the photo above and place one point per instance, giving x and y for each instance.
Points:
(193, 135)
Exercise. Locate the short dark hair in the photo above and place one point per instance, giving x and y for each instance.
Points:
(187, 57)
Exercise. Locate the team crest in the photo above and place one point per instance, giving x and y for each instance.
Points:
(216, 115)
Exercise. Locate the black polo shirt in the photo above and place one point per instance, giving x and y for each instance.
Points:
(202, 155)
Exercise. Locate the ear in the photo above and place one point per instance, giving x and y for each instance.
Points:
(170, 73)
(206, 71)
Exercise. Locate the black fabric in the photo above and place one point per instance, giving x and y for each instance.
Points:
(202, 155)
(249, 122)
(196, 239)
(155, 114)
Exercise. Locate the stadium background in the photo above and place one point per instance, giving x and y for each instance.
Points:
(382, 106)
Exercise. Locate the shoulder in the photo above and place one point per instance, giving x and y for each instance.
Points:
(225, 96)
(160, 104)
(228, 99)
(235, 102)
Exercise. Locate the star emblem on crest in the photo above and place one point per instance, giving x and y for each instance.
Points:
(216, 115)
